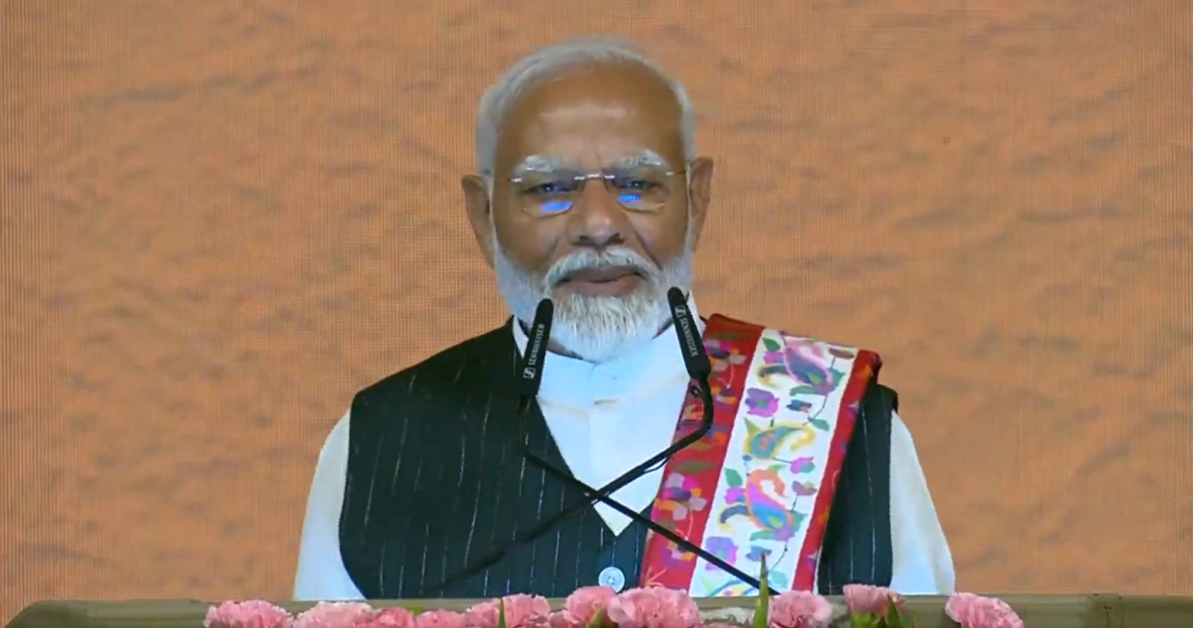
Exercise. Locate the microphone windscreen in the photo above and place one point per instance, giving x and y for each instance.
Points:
(690, 344)
(530, 373)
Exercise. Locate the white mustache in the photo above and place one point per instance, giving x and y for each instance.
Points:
(587, 259)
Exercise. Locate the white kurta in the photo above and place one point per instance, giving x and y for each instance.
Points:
(605, 419)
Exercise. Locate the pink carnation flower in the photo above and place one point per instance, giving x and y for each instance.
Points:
(393, 617)
(653, 607)
(439, 619)
(582, 606)
(333, 615)
(250, 614)
(521, 611)
(799, 609)
(863, 598)
(974, 611)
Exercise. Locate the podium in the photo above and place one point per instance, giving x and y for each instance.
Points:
(1037, 611)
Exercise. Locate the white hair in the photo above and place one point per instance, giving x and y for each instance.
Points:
(597, 328)
(549, 61)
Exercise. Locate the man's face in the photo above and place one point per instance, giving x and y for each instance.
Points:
(593, 206)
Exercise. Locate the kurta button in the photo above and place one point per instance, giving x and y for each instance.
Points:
(612, 577)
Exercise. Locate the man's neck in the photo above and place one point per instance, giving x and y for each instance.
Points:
(555, 348)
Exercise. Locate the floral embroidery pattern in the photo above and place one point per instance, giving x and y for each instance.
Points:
(809, 367)
(679, 496)
(752, 488)
(691, 476)
(770, 483)
(761, 403)
(722, 547)
(724, 355)
(674, 557)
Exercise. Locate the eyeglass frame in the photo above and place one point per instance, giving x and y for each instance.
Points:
(582, 178)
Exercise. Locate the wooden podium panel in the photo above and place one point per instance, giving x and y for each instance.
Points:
(1037, 611)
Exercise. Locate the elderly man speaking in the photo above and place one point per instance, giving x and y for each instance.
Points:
(589, 192)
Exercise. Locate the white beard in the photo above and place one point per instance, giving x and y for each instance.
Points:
(596, 328)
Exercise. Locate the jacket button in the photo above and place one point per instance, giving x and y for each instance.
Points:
(612, 577)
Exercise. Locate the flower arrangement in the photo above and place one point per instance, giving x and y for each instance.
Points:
(600, 607)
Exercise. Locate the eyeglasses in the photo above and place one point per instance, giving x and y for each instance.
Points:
(645, 189)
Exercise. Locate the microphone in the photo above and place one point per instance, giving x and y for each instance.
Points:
(695, 358)
(530, 373)
(699, 369)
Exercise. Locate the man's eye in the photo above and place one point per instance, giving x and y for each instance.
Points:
(549, 188)
(638, 185)
(634, 184)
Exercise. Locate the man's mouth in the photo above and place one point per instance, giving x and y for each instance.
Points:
(601, 275)
(610, 281)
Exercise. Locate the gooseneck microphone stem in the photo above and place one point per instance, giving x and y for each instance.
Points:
(602, 495)
(528, 380)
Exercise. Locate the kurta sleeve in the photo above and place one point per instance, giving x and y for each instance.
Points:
(922, 562)
(321, 572)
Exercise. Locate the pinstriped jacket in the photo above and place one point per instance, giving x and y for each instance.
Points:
(436, 489)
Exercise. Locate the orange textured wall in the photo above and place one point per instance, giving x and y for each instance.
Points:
(222, 218)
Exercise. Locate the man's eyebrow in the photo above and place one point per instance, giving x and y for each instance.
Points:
(546, 164)
(645, 158)
(539, 164)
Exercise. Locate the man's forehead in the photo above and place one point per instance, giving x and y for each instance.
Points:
(596, 117)
(610, 150)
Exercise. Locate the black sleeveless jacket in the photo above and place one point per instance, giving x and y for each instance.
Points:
(434, 484)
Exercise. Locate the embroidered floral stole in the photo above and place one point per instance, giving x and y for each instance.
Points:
(762, 481)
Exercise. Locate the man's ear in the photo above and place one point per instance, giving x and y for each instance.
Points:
(477, 204)
(699, 195)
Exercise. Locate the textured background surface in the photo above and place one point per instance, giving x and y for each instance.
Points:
(222, 218)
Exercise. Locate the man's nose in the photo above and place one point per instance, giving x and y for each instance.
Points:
(597, 220)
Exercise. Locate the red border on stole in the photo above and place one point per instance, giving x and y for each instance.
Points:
(663, 563)
(865, 367)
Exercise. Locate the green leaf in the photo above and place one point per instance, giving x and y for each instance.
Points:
(692, 466)
(762, 535)
(771, 344)
(416, 610)
(733, 511)
(733, 478)
(837, 376)
(773, 369)
(864, 620)
(819, 424)
(763, 609)
(801, 390)
(776, 467)
(500, 613)
(797, 519)
(599, 619)
(895, 619)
